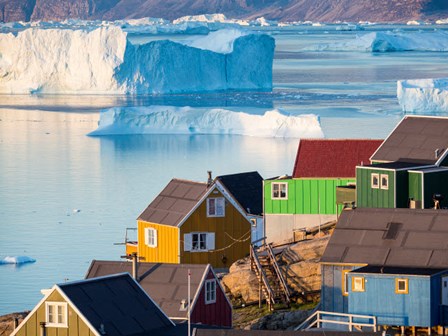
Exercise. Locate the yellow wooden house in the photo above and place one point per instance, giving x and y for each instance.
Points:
(109, 305)
(195, 223)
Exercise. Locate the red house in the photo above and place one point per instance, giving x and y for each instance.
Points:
(167, 285)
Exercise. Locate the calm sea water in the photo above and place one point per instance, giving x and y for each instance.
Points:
(66, 198)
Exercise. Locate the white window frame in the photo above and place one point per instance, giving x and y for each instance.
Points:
(151, 237)
(372, 179)
(279, 186)
(358, 284)
(216, 207)
(386, 177)
(199, 241)
(344, 286)
(210, 291)
(61, 316)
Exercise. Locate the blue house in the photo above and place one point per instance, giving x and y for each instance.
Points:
(389, 263)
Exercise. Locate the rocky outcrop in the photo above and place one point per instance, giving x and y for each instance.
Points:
(282, 10)
(7, 322)
(299, 262)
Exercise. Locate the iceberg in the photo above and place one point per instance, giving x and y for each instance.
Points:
(436, 40)
(103, 60)
(423, 95)
(17, 260)
(187, 120)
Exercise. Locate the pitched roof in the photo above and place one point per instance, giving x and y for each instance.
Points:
(166, 284)
(332, 157)
(390, 237)
(247, 189)
(310, 332)
(415, 139)
(175, 201)
(117, 302)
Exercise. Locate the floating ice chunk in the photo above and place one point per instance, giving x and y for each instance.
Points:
(104, 61)
(220, 41)
(17, 260)
(423, 95)
(393, 41)
(442, 21)
(187, 120)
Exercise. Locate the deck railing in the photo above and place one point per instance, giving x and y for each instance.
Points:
(353, 320)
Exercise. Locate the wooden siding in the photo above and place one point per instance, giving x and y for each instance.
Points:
(415, 186)
(214, 314)
(228, 230)
(167, 250)
(76, 326)
(368, 197)
(379, 299)
(305, 196)
(332, 298)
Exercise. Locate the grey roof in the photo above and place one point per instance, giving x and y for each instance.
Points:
(390, 237)
(166, 284)
(175, 201)
(398, 270)
(415, 139)
(247, 189)
(118, 303)
(398, 165)
(240, 332)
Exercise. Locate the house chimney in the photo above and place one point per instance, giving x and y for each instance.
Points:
(43, 329)
(134, 266)
(209, 180)
(15, 322)
(436, 153)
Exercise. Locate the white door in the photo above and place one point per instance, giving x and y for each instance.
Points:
(445, 290)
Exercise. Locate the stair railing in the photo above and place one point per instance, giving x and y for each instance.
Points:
(255, 261)
(278, 272)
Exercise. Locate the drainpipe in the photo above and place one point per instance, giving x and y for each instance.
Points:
(15, 323)
(43, 329)
(135, 266)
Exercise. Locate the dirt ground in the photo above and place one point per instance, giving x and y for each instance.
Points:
(7, 322)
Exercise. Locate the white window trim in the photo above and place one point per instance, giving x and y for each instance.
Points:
(386, 187)
(152, 243)
(55, 305)
(217, 199)
(279, 197)
(375, 186)
(211, 291)
(209, 241)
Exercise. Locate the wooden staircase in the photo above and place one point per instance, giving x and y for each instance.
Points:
(272, 285)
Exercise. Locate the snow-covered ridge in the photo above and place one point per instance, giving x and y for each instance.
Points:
(423, 95)
(436, 40)
(104, 61)
(187, 120)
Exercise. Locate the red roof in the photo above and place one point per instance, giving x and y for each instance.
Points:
(332, 157)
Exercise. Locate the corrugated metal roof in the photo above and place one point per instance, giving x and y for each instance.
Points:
(247, 189)
(420, 240)
(175, 201)
(118, 303)
(166, 284)
(332, 157)
(415, 139)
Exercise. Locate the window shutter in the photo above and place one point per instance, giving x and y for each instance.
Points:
(155, 237)
(210, 241)
(188, 242)
(146, 236)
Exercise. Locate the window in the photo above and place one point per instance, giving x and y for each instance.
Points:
(401, 286)
(216, 207)
(199, 241)
(375, 181)
(210, 291)
(151, 237)
(344, 285)
(384, 181)
(56, 314)
(280, 191)
(358, 284)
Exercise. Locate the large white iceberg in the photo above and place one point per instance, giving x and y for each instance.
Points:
(104, 61)
(436, 40)
(423, 95)
(17, 260)
(187, 120)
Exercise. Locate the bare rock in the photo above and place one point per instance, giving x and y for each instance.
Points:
(281, 320)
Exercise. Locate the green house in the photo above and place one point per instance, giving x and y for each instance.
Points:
(322, 184)
(410, 168)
